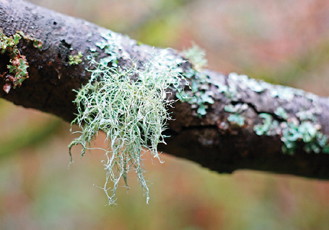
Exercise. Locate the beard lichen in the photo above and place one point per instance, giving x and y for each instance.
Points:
(130, 107)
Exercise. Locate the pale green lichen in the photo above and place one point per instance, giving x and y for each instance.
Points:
(269, 126)
(259, 86)
(199, 96)
(196, 56)
(111, 45)
(130, 106)
(75, 59)
(235, 81)
(281, 112)
(238, 108)
(236, 119)
(308, 133)
(305, 115)
(293, 132)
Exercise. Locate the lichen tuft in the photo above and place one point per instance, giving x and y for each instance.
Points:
(130, 106)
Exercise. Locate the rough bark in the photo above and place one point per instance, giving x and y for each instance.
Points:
(210, 140)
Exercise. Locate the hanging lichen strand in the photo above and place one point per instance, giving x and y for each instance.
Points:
(132, 113)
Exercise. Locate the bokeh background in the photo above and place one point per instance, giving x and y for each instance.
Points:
(280, 41)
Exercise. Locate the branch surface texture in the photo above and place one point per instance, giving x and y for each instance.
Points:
(232, 122)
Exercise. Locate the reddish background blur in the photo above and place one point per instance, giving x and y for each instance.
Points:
(283, 42)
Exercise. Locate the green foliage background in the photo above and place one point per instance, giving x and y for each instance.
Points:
(283, 42)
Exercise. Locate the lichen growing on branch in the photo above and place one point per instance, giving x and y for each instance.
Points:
(130, 107)
(199, 96)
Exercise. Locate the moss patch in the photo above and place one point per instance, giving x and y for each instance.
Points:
(17, 69)
(75, 59)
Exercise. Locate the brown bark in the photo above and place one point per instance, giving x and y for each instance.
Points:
(211, 140)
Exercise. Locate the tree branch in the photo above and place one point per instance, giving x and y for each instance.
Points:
(249, 124)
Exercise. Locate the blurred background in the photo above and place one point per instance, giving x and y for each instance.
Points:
(280, 41)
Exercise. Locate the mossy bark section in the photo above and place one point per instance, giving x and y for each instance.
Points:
(52, 79)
